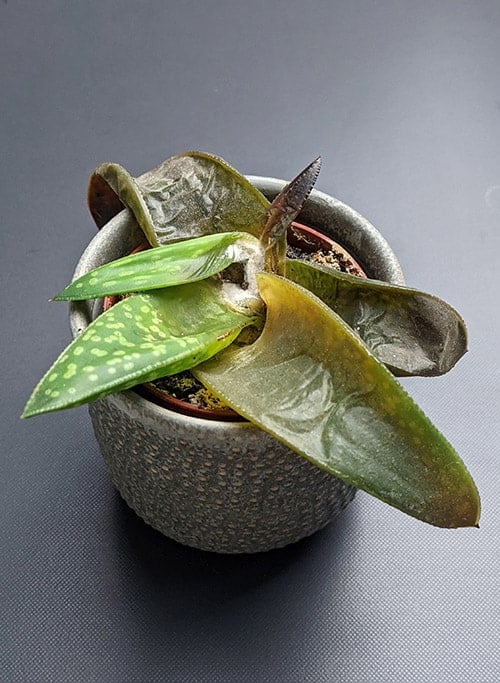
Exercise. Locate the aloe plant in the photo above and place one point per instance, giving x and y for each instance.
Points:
(317, 369)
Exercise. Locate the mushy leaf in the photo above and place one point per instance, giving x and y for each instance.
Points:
(313, 384)
(411, 332)
(188, 195)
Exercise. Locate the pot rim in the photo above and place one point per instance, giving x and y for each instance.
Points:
(359, 236)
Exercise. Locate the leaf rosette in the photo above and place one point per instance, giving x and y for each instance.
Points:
(317, 371)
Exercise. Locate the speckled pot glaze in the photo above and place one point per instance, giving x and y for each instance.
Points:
(220, 486)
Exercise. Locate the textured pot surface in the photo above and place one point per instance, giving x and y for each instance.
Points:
(219, 486)
(227, 489)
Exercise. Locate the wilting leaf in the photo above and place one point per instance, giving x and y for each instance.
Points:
(141, 338)
(312, 383)
(188, 195)
(173, 264)
(413, 333)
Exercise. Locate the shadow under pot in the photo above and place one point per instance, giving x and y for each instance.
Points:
(222, 484)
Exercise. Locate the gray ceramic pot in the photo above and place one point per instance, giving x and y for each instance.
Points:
(220, 486)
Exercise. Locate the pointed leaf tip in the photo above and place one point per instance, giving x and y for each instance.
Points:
(140, 339)
(166, 266)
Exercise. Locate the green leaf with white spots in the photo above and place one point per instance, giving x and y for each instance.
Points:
(412, 332)
(141, 338)
(188, 195)
(167, 266)
(313, 384)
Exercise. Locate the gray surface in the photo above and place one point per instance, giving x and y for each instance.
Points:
(403, 101)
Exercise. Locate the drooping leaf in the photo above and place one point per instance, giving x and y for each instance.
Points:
(411, 332)
(173, 264)
(188, 195)
(313, 384)
(141, 338)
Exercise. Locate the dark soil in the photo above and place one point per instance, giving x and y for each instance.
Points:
(185, 387)
(333, 259)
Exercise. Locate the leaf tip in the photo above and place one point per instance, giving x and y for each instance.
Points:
(60, 296)
(27, 412)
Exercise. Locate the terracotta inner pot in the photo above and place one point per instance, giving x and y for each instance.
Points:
(300, 237)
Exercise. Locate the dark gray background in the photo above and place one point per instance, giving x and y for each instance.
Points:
(402, 99)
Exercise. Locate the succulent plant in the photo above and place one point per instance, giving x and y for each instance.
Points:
(303, 351)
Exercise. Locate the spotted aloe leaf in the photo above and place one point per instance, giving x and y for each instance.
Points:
(167, 266)
(143, 337)
(188, 195)
(412, 332)
(313, 384)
